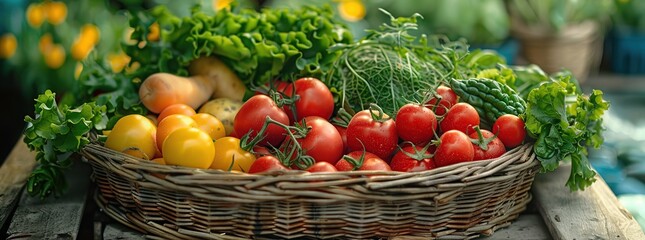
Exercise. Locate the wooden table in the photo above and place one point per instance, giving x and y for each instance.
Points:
(555, 212)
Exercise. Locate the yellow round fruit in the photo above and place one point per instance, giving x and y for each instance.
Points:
(134, 135)
(210, 125)
(189, 147)
(229, 155)
(170, 124)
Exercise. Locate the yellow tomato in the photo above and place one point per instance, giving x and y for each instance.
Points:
(55, 12)
(134, 135)
(188, 147)
(35, 15)
(159, 161)
(228, 154)
(55, 57)
(177, 108)
(8, 45)
(210, 125)
(170, 124)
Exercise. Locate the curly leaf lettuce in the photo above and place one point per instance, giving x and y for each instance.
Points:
(54, 133)
(257, 46)
(565, 123)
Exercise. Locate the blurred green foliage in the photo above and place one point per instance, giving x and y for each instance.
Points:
(630, 14)
(554, 15)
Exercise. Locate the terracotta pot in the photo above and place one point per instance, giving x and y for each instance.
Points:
(577, 48)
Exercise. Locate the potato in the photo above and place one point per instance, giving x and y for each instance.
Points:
(226, 84)
(223, 109)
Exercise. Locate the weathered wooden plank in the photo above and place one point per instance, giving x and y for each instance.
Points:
(527, 226)
(13, 174)
(53, 218)
(116, 231)
(591, 214)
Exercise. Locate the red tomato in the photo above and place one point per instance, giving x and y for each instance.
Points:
(260, 151)
(370, 162)
(494, 146)
(314, 99)
(454, 147)
(266, 164)
(510, 130)
(277, 85)
(462, 117)
(412, 159)
(416, 123)
(377, 136)
(323, 142)
(343, 135)
(448, 99)
(252, 115)
(322, 167)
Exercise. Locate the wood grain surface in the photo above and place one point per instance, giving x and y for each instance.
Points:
(591, 214)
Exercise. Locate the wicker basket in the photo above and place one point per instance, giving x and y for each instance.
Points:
(461, 201)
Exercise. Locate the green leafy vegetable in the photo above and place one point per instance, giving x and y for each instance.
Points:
(118, 92)
(55, 133)
(257, 46)
(565, 123)
(391, 66)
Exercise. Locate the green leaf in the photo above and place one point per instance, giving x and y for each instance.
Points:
(55, 133)
(565, 123)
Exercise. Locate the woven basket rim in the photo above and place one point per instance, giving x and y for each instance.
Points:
(143, 164)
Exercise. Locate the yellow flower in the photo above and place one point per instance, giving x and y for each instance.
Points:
(81, 48)
(221, 4)
(77, 70)
(8, 45)
(153, 35)
(55, 12)
(35, 15)
(351, 10)
(90, 33)
(55, 57)
(45, 43)
(118, 61)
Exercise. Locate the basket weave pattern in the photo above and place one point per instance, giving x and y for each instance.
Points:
(460, 201)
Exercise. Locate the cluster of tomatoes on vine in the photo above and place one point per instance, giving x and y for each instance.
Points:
(291, 127)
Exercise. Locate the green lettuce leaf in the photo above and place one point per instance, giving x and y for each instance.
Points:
(55, 133)
(565, 123)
